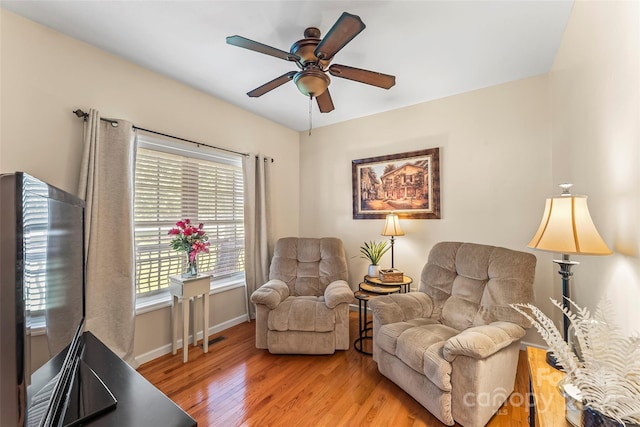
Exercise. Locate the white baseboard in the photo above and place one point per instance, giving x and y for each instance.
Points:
(165, 349)
(524, 345)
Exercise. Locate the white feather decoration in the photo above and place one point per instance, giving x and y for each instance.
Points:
(608, 372)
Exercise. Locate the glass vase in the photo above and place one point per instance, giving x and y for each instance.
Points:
(573, 401)
(191, 267)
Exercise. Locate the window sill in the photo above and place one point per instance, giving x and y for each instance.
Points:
(163, 299)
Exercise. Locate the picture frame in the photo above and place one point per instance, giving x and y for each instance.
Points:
(407, 184)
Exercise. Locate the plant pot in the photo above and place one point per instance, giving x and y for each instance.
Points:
(373, 271)
(593, 418)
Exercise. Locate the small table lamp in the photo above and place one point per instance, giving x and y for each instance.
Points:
(567, 228)
(392, 228)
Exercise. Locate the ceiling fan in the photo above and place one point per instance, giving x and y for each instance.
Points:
(313, 55)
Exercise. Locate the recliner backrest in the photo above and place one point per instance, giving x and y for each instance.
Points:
(472, 284)
(308, 265)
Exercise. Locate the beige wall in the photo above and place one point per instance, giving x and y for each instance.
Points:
(595, 88)
(46, 75)
(495, 173)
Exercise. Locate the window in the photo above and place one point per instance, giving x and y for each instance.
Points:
(174, 182)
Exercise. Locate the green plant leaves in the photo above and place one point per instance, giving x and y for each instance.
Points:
(374, 251)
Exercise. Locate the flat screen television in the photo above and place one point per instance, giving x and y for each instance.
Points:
(42, 279)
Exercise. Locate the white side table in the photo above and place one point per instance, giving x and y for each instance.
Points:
(184, 289)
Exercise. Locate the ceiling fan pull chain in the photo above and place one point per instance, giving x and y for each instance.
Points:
(310, 107)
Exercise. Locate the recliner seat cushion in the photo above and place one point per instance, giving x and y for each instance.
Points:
(419, 344)
(387, 337)
(309, 314)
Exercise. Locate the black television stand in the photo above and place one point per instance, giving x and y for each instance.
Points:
(139, 403)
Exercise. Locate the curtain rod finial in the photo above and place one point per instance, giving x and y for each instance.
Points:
(81, 114)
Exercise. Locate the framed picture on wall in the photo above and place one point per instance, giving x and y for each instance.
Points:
(405, 183)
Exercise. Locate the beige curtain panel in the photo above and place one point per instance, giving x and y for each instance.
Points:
(107, 186)
(257, 227)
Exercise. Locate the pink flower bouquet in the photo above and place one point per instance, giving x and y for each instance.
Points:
(190, 239)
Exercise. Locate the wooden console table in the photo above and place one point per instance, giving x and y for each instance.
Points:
(547, 404)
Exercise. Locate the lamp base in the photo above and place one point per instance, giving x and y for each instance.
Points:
(552, 361)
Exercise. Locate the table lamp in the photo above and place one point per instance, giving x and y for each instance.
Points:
(567, 228)
(392, 228)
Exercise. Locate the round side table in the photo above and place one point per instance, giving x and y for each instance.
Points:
(363, 298)
(374, 284)
(373, 287)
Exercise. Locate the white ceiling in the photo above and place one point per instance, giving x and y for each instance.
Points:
(434, 48)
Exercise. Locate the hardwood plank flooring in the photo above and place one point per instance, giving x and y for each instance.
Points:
(236, 384)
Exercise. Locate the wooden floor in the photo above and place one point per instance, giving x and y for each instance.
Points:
(237, 385)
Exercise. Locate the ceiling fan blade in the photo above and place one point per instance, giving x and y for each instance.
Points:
(325, 104)
(261, 48)
(277, 82)
(373, 78)
(343, 31)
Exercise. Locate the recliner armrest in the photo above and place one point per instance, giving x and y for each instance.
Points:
(337, 292)
(400, 307)
(271, 293)
(479, 342)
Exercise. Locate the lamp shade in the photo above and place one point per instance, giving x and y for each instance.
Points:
(392, 226)
(567, 228)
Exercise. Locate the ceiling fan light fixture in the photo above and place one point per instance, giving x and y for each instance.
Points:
(311, 82)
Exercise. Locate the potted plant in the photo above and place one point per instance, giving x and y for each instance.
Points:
(373, 252)
(607, 373)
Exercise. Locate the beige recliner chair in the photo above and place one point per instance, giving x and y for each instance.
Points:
(304, 307)
(453, 345)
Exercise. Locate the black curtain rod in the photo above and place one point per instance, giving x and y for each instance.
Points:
(81, 114)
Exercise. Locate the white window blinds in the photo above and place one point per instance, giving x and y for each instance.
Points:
(170, 185)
